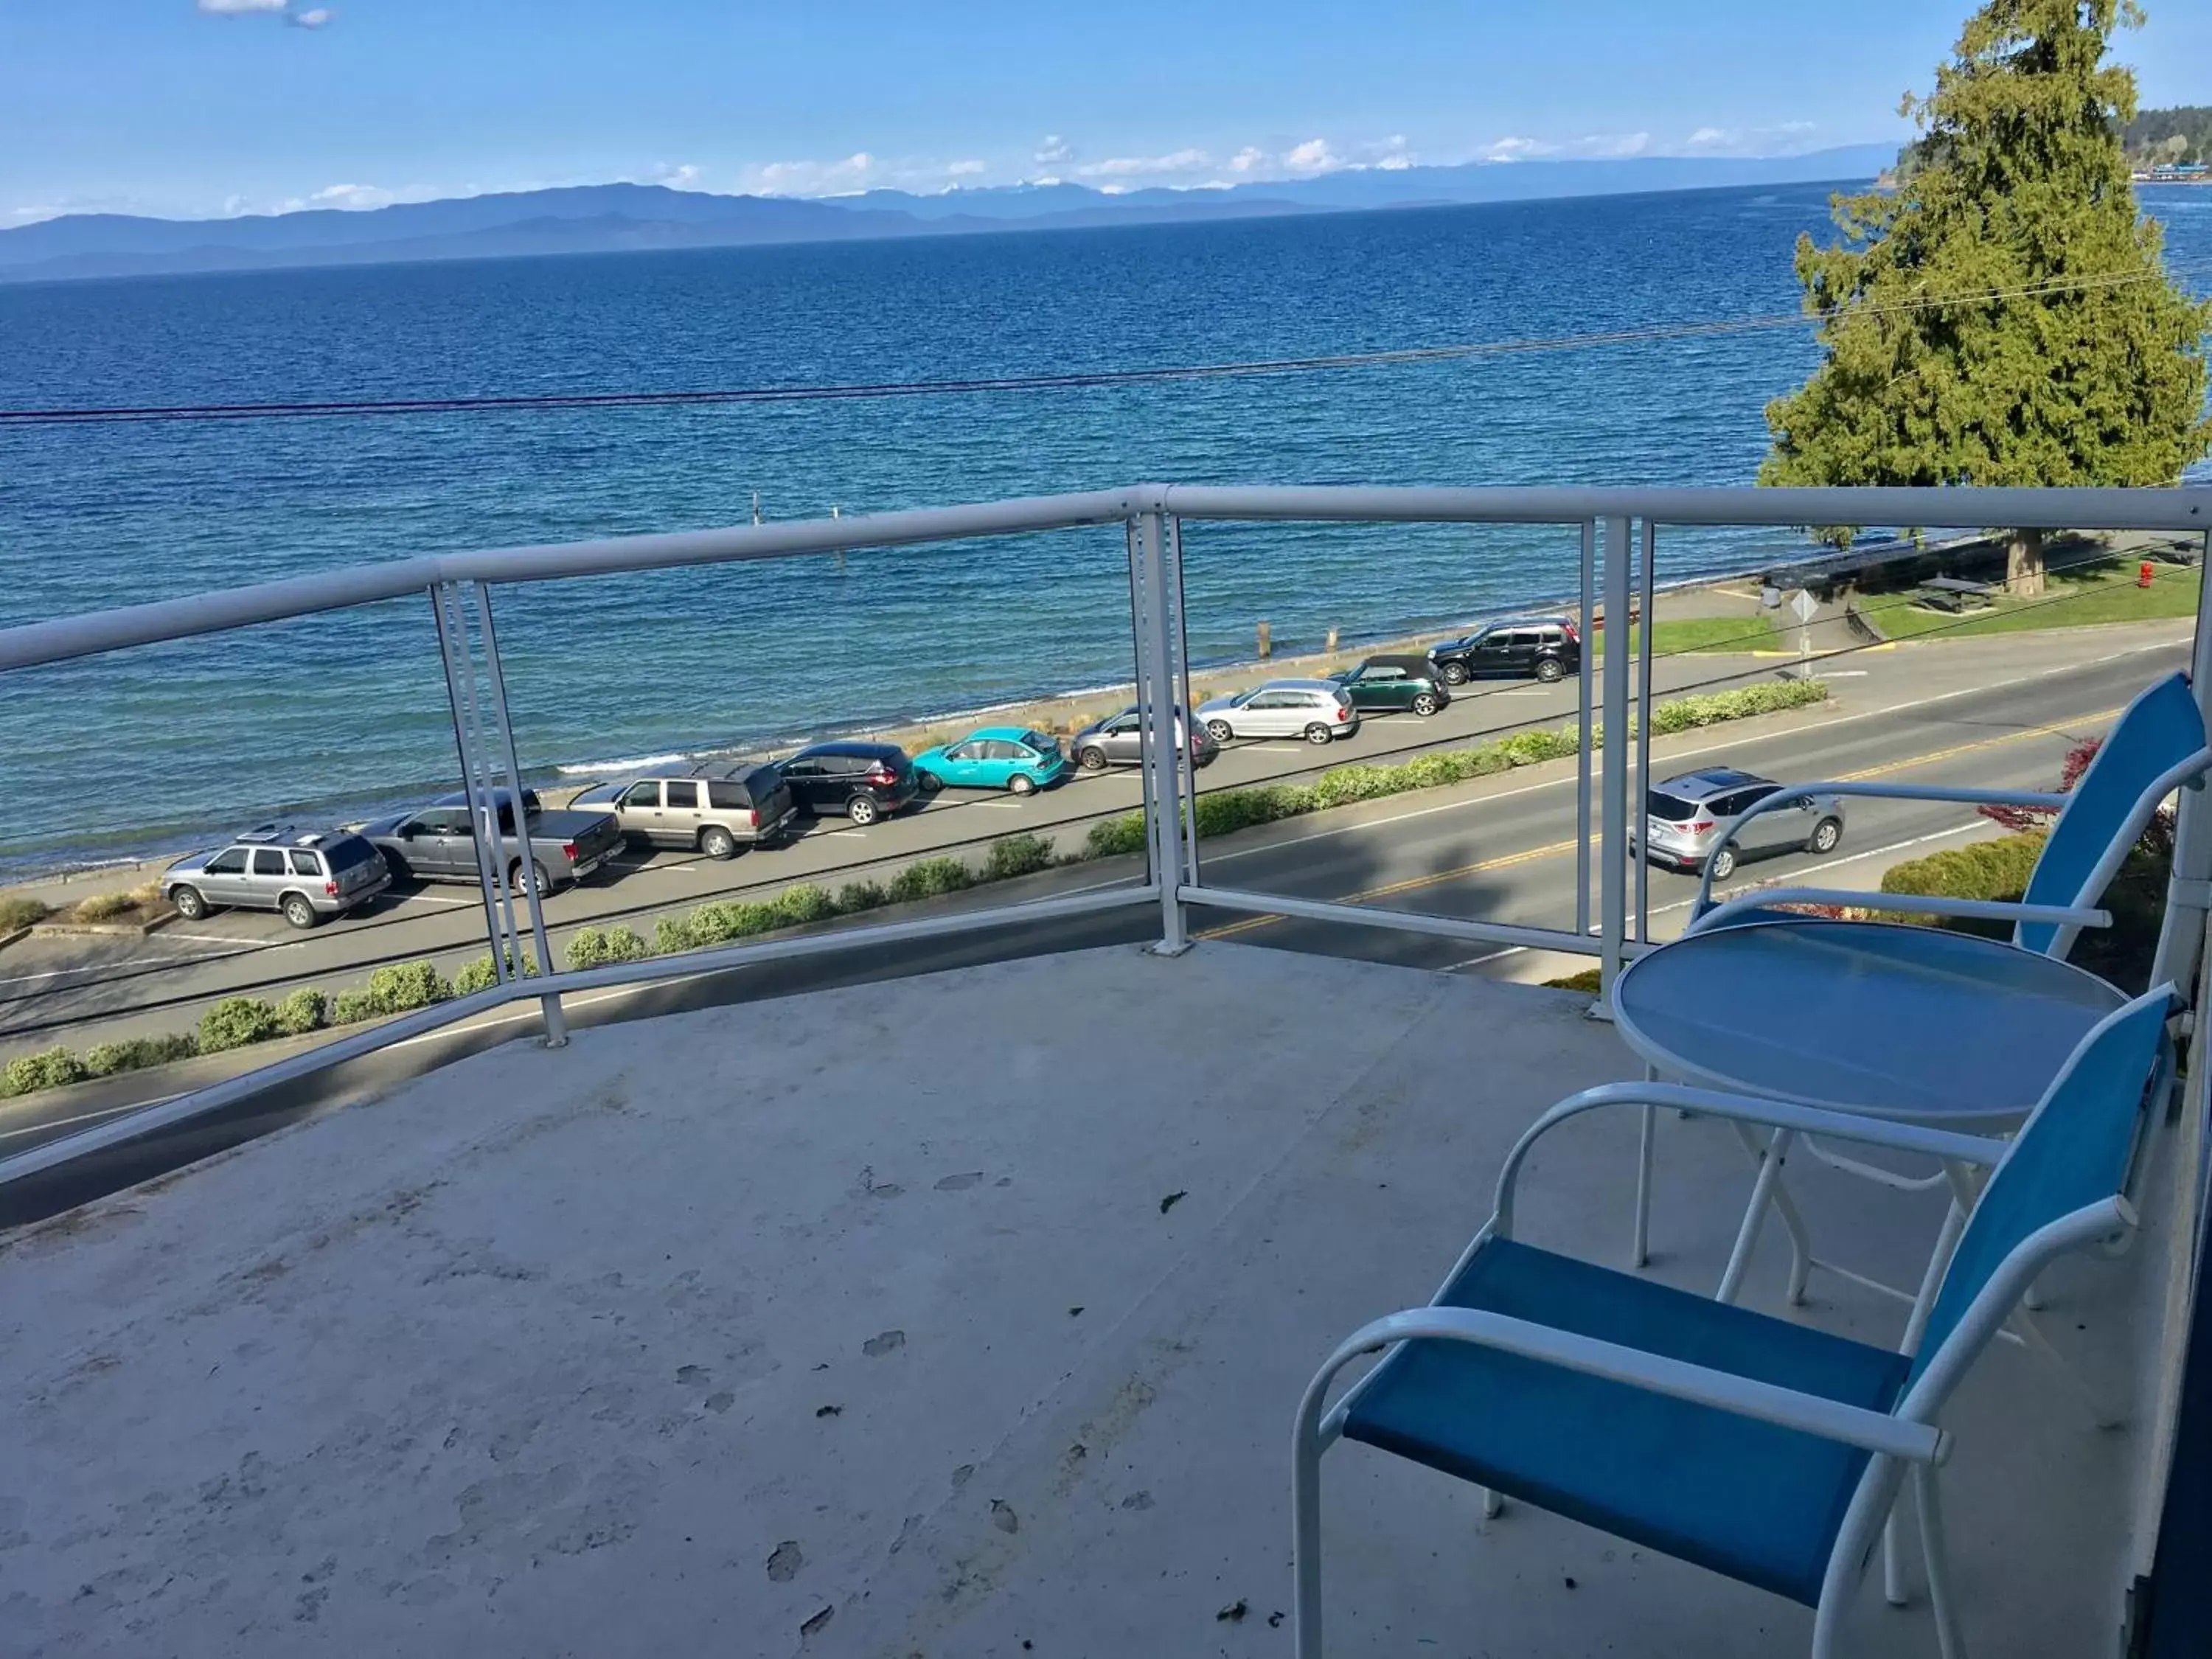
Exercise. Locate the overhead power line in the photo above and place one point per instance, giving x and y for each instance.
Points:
(1257, 366)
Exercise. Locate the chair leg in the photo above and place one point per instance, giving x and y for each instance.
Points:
(1892, 1562)
(1305, 1544)
(1639, 1251)
(1762, 1197)
(2102, 1411)
(1947, 1638)
(1492, 1502)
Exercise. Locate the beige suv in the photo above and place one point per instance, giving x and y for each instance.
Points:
(714, 808)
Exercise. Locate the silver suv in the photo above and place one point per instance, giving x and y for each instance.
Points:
(1318, 710)
(716, 807)
(304, 875)
(1687, 817)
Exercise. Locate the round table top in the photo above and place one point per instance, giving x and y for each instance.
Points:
(1918, 1023)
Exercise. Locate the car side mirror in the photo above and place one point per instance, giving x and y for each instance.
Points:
(408, 831)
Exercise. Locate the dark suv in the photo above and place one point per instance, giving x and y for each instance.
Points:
(1547, 647)
(863, 780)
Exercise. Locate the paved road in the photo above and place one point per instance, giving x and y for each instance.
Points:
(1501, 849)
(81, 990)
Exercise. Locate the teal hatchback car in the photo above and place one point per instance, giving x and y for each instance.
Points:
(1010, 757)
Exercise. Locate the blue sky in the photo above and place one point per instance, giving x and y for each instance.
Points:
(207, 106)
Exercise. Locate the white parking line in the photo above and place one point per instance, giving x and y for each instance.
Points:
(436, 898)
(110, 967)
(231, 939)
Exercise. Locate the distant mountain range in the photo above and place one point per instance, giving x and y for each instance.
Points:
(611, 218)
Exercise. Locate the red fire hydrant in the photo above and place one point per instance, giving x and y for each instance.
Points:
(2143, 575)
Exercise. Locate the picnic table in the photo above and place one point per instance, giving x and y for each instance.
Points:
(1953, 593)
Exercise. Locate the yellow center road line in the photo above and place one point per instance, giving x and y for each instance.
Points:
(2057, 729)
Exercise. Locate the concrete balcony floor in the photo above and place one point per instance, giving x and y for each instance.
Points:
(954, 1316)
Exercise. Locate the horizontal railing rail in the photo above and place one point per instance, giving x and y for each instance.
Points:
(1616, 570)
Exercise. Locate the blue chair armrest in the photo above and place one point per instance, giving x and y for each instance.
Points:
(1851, 1426)
(1789, 794)
(2060, 915)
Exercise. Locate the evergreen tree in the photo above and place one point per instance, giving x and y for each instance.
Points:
(2002, 317)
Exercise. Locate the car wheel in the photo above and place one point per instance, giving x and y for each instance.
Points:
(1454, 673)
(863, 810)
(544, 877)
(1827, 835)
(1318, 735)
(191, 904)
(717, 842)
(1221, 730)
(1721, 864)
(1551, 671)
(1021, 784)
(928, 783)
(1425, 703)
(298, 911)
(398, 868)
(1091, 760)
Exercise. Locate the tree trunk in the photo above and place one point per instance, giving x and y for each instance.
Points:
(2024, 564)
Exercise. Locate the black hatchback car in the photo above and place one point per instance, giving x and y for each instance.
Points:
(1547, 647)
(864, 781)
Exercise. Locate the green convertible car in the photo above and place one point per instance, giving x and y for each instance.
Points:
(1381, 683)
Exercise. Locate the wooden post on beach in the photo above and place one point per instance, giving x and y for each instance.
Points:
(1266, 642)
(1331, 649)
(841, 551)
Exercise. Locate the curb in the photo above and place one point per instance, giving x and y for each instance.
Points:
(113, 929)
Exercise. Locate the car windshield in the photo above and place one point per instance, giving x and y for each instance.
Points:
(1673, 808)
(1244, 697)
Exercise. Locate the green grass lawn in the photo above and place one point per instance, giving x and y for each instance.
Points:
(2071, 602)
(1671, 634)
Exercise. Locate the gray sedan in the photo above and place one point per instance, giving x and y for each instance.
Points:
(1687, 818)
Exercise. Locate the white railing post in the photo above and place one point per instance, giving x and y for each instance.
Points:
(2181, 931)
(1186, 761)
(1157, 681)
(461, 695)
(557, 1027)
(1612, 844)
(1647, 604)
(1586, 706)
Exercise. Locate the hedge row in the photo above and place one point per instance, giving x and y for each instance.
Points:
(1224, 811)
(400, 987)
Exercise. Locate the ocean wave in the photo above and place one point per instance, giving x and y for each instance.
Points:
(635, 764)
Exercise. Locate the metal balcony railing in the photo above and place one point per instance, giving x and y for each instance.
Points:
(1619, 534)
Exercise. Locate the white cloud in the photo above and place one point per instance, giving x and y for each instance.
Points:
(854, 172)
(1247, 159)
(1703, 137)
(1054, 149)
(1311, 157)
(350, 198)
(314, 17)
(1514, 149)
(1144, 166)
(675, 176)
(965, 169)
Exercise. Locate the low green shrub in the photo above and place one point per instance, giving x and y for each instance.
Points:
(802, 904)
(236, 1021)
(719, 924)
(1016, 855)
(855, 897)
(481, 973)
(29, 1072)
(1114, 837)
(1996, 869)
(670, 935)
(136, 1054)
(596, 947)
(1585, 980)
(306, 1010)
(1529, 748)
(931, 878)
(352, 1007)
(104, 907)
(1341, 785)
(1769, 696)
(398, 986)
(15, 913)
(1226, 811)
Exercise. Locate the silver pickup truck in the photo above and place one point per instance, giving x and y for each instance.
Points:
(438, 842)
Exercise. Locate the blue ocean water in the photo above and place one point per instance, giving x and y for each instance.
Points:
(157, 747)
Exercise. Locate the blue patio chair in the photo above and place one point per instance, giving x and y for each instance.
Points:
(2158, 745)
(1765, 1450)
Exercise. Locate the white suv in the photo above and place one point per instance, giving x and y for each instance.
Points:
(1319, 711)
